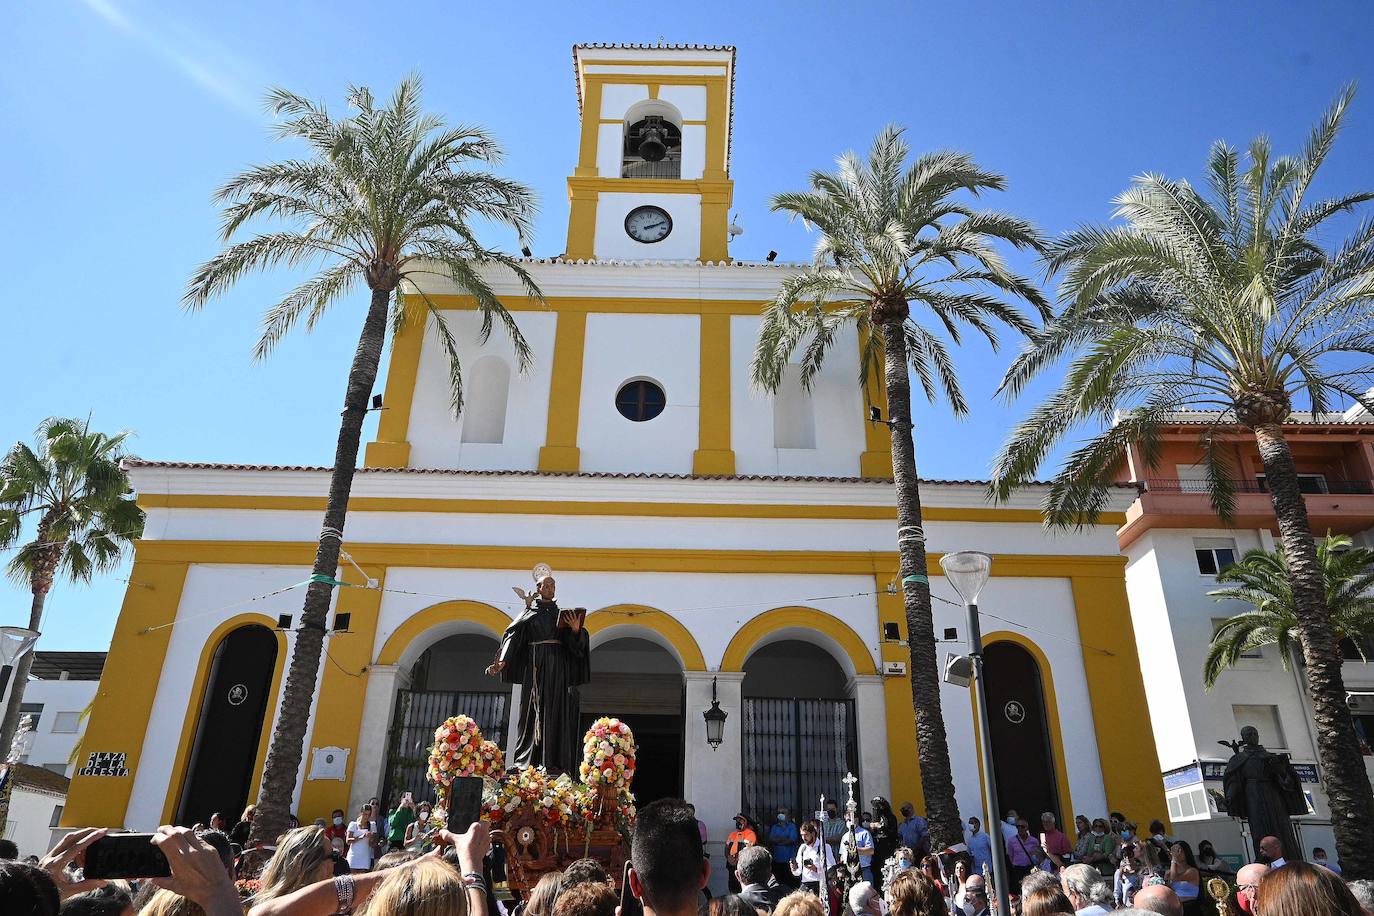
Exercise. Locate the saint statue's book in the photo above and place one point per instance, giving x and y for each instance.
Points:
(566, 615)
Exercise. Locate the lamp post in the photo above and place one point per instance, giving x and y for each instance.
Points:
(14, 642)
(715, 720)
(967, 571)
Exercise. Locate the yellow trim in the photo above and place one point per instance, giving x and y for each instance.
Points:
(714, 454)
(342, 689)
(591, 118)
(717, 130)
(581, 224)
(749, 636)
(612, 305)
(605, 507)
(416, 625)
(665, 79)
(392, 447)
(606, 184)
(903, 764)
(688, 652)
(649, 63)
(1116, 689)
(123, 703)
(653, 89)
(594, 559)
(1057, 745)
(200, 684)
(876, 459)
(715, 221)
(560, 452)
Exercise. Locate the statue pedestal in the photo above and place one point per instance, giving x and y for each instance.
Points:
(534, 846)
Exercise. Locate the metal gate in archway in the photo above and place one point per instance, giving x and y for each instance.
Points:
(418, 713)
(795, 751)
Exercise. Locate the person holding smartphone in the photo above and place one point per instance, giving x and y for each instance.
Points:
(362, 833)
(400, 819)
(812, 855)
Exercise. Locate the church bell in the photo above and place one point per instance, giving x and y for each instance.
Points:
(653, 140)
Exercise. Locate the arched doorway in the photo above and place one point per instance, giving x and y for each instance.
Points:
(1020, 734)
(448, 679)
(640, 683)
(799, 732)
(229, 727)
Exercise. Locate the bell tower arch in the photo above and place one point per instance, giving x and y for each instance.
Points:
(652, 178)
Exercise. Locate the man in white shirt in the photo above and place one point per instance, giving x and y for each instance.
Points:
(1008, 826)
(1272, 852)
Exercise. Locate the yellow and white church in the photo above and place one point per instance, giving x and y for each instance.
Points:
(727, 544)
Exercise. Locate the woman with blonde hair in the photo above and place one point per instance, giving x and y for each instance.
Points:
(544, 895)
(799, 903)
(303, 857)
(426, 887)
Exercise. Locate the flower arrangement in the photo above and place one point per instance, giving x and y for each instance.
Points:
(247, 887)
(456, 751)
(491, 762)
(608, 754)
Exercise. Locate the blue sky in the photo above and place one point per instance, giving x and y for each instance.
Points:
(122, 116)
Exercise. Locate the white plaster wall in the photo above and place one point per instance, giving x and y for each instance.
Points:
(683, 243)
(616, 99)
(606, 531)
(690, 100)
(712, 607)
(1178, 639)
(56, 696)
(693, 151)
(1164, 692)
(610, 140)
(27, 822)
(835, 398)
(619, 348)
(1043, 611)
(208, 589)
(436, 435)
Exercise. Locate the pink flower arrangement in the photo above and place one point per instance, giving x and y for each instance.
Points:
(457, 751)
(608, 754)
(492, 762)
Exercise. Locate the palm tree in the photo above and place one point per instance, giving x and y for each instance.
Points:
(893, 236)
(388, 195)
(1222, 300)
(1262, 579)
(71, 485)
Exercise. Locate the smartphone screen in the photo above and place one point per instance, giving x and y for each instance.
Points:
(629, 903)
(464, 803)
(125, 855)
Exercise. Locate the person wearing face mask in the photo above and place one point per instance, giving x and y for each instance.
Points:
(1100, 849)
(740, 839)
(416, 829)
(1319, 858)
(782, 839)
(833, 826)
(979, 846)
(336, 831)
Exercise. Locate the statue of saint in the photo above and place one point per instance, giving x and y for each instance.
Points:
(1263, 788)
(547, 652)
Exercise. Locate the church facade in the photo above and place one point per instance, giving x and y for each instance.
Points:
(728, 545)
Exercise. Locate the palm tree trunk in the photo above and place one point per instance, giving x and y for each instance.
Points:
(19, 677)
(1347, 783)
(932, 747)
(284, 754)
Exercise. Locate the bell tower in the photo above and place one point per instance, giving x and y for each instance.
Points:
(652, 179)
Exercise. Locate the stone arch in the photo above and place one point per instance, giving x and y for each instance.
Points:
(805, 624)
(1056, 733)
(620, 620)
(448, 618)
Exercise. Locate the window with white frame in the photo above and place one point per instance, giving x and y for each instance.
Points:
(1248, 653)
(1265, 720)
(1214, 554)
(66, 723)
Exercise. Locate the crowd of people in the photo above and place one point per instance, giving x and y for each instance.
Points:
(365, 866)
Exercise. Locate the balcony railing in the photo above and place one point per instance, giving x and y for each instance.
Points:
(669, 167)
(1309, 484)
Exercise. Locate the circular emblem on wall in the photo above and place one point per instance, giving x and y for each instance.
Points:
(1015, 712)
(237, 694)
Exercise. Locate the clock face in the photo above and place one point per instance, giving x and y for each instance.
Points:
(648, 224)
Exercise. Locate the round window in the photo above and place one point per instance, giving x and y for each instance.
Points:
(640, 400)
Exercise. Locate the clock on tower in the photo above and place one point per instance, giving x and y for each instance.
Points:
(652, 179)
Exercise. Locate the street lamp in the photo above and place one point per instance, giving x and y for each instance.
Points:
(715, 720)
(967, 571)
(14, 642)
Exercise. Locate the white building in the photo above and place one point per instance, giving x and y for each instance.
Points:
(725, 542)
(61, 685)
(1174, 545)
